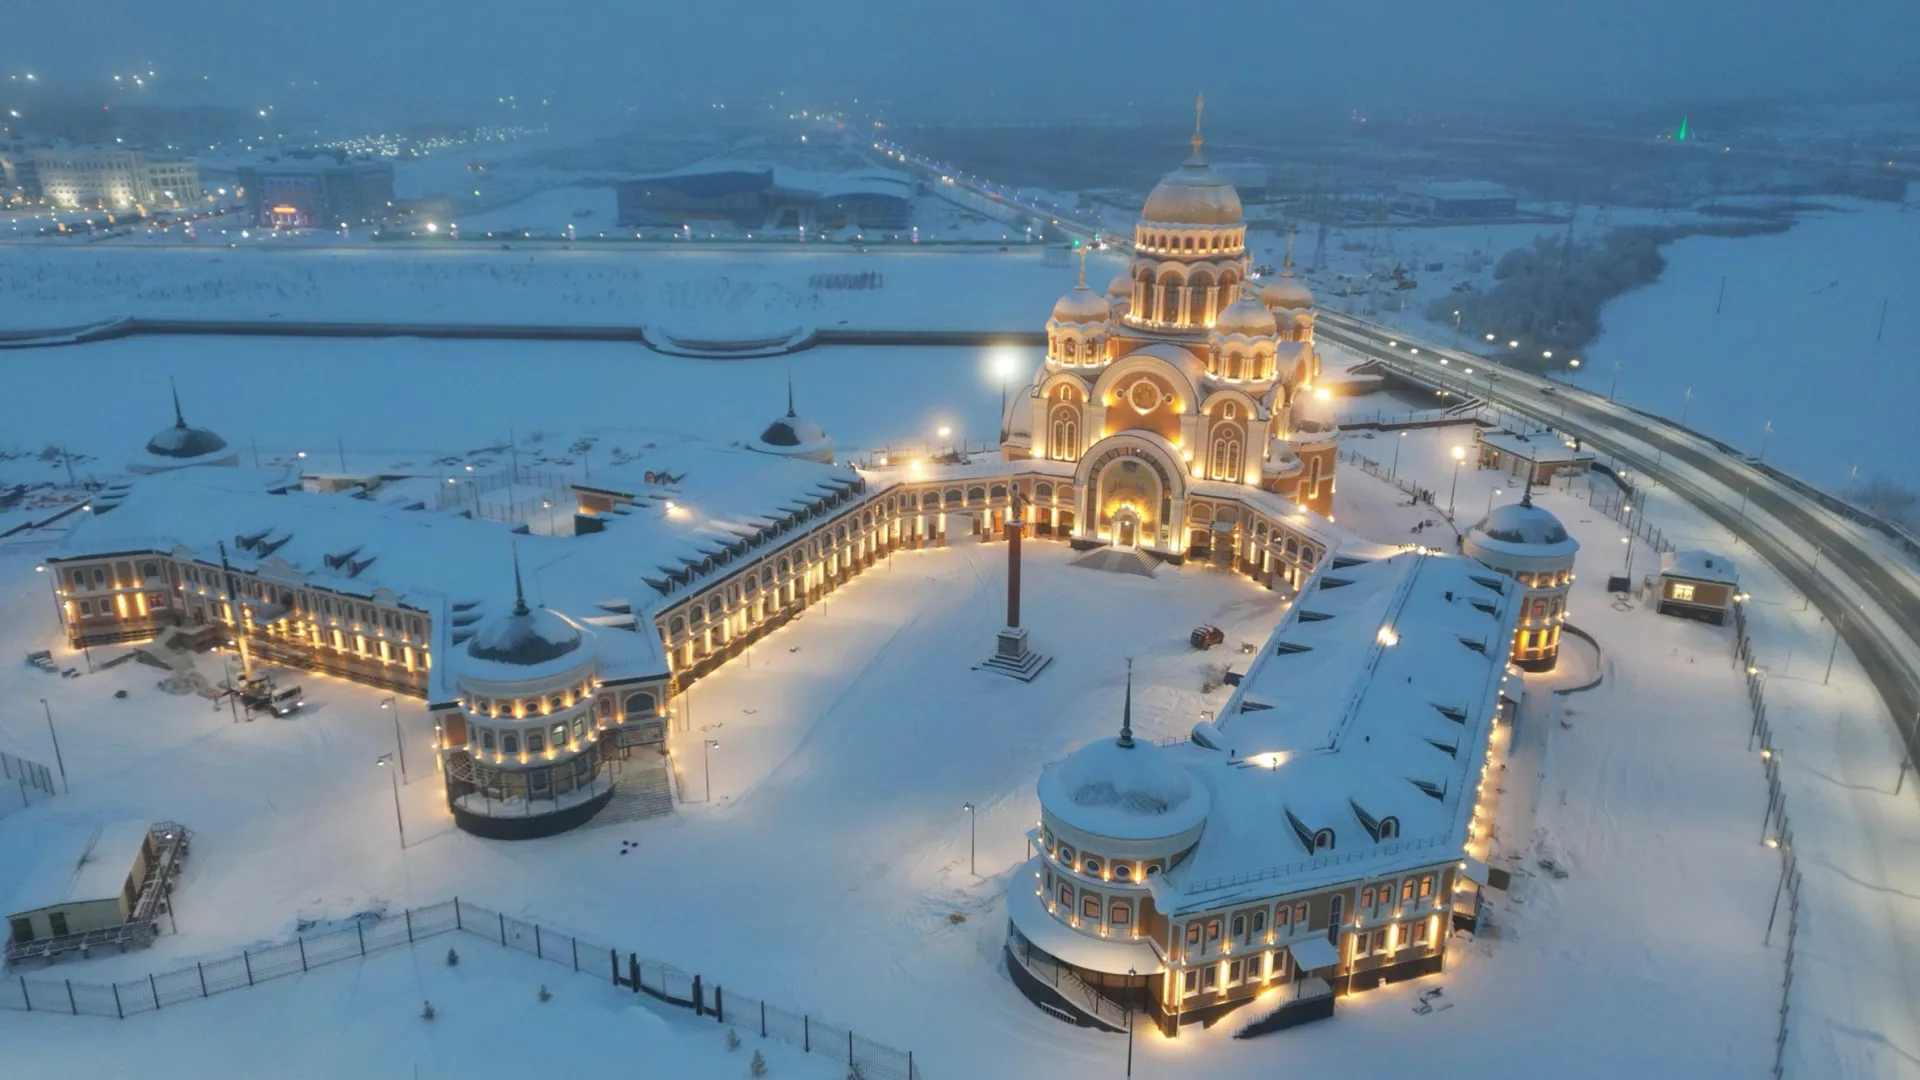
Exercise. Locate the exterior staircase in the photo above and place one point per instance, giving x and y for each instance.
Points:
(1119, 561)
(640, 791)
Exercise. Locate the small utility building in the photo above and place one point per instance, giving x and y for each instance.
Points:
(84, 879)
(1541, 452)
(1697, 585)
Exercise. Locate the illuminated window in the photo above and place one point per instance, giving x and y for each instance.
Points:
(1426, 885)
(1682, 591)
(1213, 930)
(1366, 896)
(580, 727)
(1299, 914)
(1420, 932)
(1282, 917)
(1090, 906)
(1193, 933)
(1120, 914)
(1066, 896)
(1406, 890)
(559, 736)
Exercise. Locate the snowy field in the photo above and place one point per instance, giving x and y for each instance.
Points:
(45, 287)
(361, 1018)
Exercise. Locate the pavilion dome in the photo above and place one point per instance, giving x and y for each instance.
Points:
(524, 637)
(181, 441)
(1125, 790)
(794, 436)
(1082, 305)
(1121, 287)
(1522, 524)
(1193, 194)
(1245, 316)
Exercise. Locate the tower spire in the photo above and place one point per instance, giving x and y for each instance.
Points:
(519, 593)
(1526, 496)
(1126, 712)
(1199, 105)
(1083, 269)
(179, 419)
(1286, 269)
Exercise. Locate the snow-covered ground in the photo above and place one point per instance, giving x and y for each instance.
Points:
(43, 287)
(363, 1018)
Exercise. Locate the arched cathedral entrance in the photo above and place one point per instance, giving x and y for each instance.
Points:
(1132, 492)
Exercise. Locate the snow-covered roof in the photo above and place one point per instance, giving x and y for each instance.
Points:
(75, 864)
(1373, 699)
(1123, 789)
(1522, 528)
(1193, 194)
(430, 560)
(1538, 448)
(1700, 566)
(804, 182)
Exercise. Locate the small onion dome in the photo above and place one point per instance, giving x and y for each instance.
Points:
(1312, 414)
(1523, 528)
(1123, 792)
(181, 441)
(524, 637)
(1286, 292)
(1121, 287)
(1193, 194)
(794, 436)
(1082, 305)
(1245, 316)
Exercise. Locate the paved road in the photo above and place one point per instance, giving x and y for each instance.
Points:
(1889, 660)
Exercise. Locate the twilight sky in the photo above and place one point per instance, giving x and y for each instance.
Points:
(994, 57)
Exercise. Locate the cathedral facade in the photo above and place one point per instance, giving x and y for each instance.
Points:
(1185, 376)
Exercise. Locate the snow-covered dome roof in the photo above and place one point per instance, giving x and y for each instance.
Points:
(1280, 458)
(1121, 287)
(793, 431)
(1193, 194)
(1286, 292)
(523, 637)
(1523, 523)
(1245, 316)
(1082, 305)
(181, 441)
(1123, 789)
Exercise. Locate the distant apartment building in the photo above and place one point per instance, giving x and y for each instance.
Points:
(19, 175)
(768, 197)
(317, 191)
(114, 178)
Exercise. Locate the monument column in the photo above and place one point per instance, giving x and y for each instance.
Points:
(1011, 657)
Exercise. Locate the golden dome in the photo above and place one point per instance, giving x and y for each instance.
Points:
(1121, 287)
(1193, 194)
(1082, 305)
(1286, 291)
(1245, 316)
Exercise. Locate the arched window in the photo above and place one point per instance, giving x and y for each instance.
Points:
(1239, 927)
(1389, 828)
(1323, 841)
(1067, 348)
(536, 742)
(1090, 905)
(509, 743)
(1230, 411)
(1233, 460)
(486, 738)
(1042, 491)
(1120, 914)
(641, 703)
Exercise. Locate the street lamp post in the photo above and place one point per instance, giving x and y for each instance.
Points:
(1459, 455)
(706, 764)
(1490, 496)
(399, 744)
(1131, 975)
(1766, 434)
(1615, 384)
(382, 761)
(1573, 367)
(968, 807)
(57, 759)
(1397, 443)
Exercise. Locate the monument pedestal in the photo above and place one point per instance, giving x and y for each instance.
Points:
(1012, 658)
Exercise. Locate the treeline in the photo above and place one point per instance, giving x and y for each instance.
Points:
(1550, 294)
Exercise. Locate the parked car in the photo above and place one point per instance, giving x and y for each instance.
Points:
(1206, 636)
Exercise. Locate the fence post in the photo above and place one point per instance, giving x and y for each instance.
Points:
(909, 1065)
(699, 998)
(720, 1004)
(456, 914)
(503, 928)
(633, 968)
(202, 968)
(72, 1004)
(576, 954)
(613, 957)
(24, 995)
(409, 914)
(361, 929)
(303, 952)
(806, 1033)
(849, 1048)
(538, 953)
(763, 1019)
(118, 1012)
(248, 961)
(155, 988)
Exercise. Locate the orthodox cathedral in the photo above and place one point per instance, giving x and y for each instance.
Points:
(1187, 369)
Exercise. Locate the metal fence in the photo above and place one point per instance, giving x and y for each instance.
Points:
(1775, 828)
(26, 778)
(660, 980)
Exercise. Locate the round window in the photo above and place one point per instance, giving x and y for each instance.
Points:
(1122, 871)
(1152, 869)
(1091, 866)
(1143, 396)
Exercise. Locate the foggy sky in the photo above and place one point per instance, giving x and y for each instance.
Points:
(985, 57)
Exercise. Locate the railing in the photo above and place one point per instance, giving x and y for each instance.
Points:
(1315, 863)
(1083, 994)
(24, 776)
(169, 847)
(373, 933)
(1775, 830)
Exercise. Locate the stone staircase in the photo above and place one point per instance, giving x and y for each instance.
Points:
(1119, 561)
(641, 791)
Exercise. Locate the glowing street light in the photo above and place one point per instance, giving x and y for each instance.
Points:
(971, 817)
(706, 764)
(382, 761)
(1459, 455)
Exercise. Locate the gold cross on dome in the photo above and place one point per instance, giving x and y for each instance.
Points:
(1199, 105)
